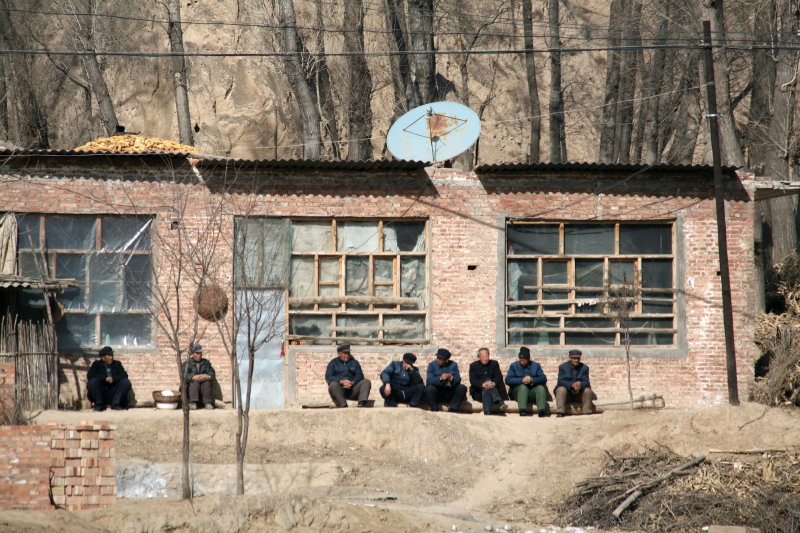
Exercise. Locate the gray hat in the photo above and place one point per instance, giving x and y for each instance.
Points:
(524, 353)
(443, 353)
(575, 353)
(343, 348)
(409, 358)
(196, 348)
(106, 350)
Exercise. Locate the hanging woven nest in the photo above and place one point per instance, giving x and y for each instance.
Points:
(211, 302)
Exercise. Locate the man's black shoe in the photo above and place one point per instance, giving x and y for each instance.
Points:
(117, 408)
(503, 406)
(487, 412)
(389, 404)
(99, 407)
(560, 415)
(523, 412)
(362, 404)
(542, 414)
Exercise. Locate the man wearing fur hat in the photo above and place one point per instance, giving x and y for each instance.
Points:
(573, 385)
(402, 382)
(346, 380)
(526, 381)
(444, 383)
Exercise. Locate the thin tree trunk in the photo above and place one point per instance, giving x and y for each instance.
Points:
(358, 91)
(610, 100)
(556, 104)
(179, 75)
(533, 87)
(324, 90)
(405, 94)
(297, 80)
(688, 118)
(651, 103)
(731, 148)
(420, 26)
(763, 79)
(627, 87)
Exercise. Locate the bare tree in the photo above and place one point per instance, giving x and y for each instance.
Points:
(358, 90)
(405, 93)
(533, 86)
(293, 63)
(558, 145)
(621, 298)
(179, 72)
(420, 28)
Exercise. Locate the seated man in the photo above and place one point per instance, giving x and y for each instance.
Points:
(346, 380)
(108, 382)
(486, 382)
(444, 383)
(402, 382)
(526, 382)
(198, 376)
(573, 385)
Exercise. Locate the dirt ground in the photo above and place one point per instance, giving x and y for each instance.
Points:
(399, 469)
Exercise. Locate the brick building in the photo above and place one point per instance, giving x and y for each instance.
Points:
(392, 257)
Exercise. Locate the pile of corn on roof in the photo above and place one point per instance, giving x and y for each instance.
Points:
(134, 143)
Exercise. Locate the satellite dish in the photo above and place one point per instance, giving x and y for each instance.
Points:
(433, 132)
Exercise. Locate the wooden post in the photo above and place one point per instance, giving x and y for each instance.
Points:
(722, 235)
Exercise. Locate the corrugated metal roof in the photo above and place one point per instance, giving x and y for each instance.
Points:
(513, 168)
(8, 281)
(7, 152)
(310, 164)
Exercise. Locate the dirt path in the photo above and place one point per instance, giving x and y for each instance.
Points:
(403, 469)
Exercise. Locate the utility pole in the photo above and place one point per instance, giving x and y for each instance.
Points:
(722, 232)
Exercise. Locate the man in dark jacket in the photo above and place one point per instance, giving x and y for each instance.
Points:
(108, 382)
(573, 385)
(199, 375)
(526, 381)
(346, 380)
(402, 382)
(444, 383)
(486, 383)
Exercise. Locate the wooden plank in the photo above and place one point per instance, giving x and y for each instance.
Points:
(357, 339)
(596, 330)
(380, 300)
(373, 328)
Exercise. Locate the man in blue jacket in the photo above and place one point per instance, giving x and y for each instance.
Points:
(402, 382)
(526, 381)
(444, 383)
(108, 382)
(573, 385)
(346, 380)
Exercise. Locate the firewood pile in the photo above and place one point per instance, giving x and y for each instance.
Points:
(134, 143)
(778, 338)
(676, 493)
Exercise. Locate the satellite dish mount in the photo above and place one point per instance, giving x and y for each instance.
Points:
(434, 132)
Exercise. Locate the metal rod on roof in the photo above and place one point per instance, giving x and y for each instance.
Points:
(722, 232)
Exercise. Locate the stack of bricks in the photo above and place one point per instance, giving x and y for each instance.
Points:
(24, 467)
(82, 460)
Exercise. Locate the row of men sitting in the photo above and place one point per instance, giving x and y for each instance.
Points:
(108, 383)
(402, 383)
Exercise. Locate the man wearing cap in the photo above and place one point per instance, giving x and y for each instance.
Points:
(526, 381)
(573, 385)
(402, 382)
(486, 383)
(346, 380)
(198, 376)
(444, 383)
(108, 382)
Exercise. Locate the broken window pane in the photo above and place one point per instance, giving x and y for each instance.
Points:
(412, 280)
(589, 272)
(28, 232)
(554, 272)
(645, 239)
(314, 326)
(70, 233)
(404, 236)
(125, 233)
(589, 239)
(415, 322)
(357, 236)
(76, 330)
(125, 330)
(532, 239)
(656, 273)
(311, 236)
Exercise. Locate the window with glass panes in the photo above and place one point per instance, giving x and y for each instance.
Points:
(562, 279)
(110, 259)
(358, 281)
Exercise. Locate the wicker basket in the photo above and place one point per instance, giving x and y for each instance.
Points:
(166, 401)
(211, 302)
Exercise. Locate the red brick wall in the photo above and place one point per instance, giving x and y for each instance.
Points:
(465, 213)
(74, 463)
(24, 467)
